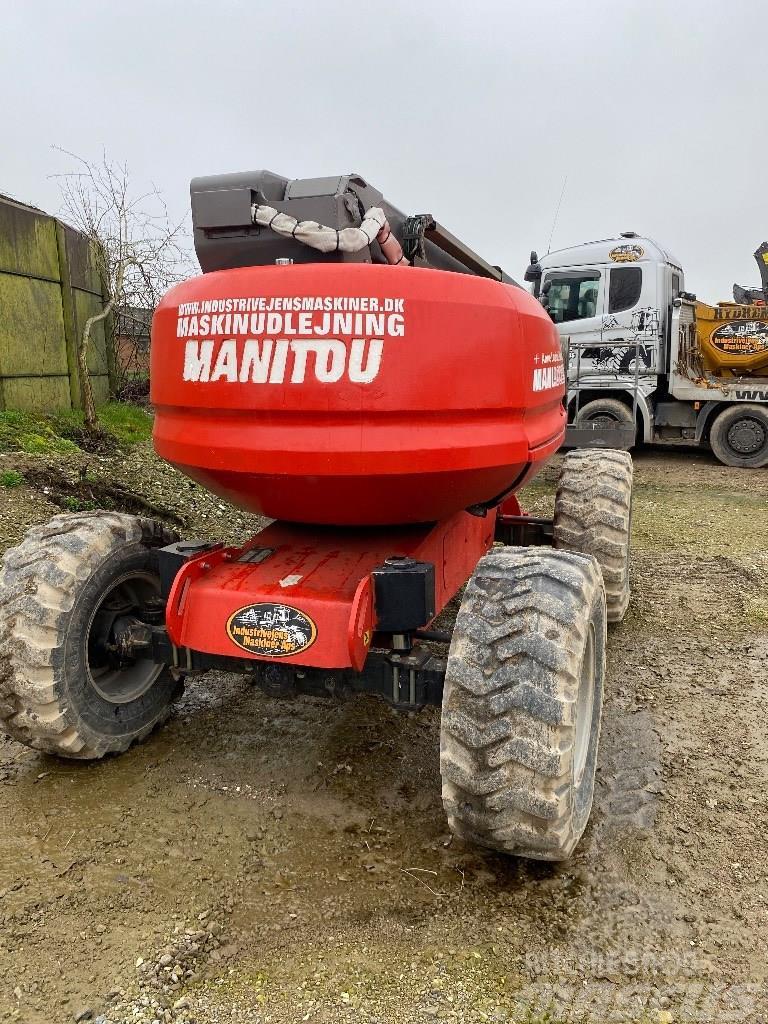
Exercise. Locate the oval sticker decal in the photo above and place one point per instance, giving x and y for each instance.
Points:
(627, 253)
(743, 338)
(271, 630)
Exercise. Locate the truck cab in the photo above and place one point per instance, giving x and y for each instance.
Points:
(646, 362)
(612, 303)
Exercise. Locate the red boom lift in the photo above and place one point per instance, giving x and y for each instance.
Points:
(380, 392)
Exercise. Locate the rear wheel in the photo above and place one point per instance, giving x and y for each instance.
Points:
(522, 702)
(68, 593)
(739, 436)
(605, 412)
(593, 515)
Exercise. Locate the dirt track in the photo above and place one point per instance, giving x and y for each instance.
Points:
(303, 842)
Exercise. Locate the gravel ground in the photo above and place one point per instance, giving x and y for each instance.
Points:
(277, 861)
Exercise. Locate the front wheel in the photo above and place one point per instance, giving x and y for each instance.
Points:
(739, 436)
(65, 593)
(522, 702)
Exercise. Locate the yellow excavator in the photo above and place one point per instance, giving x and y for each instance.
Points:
(733, 336)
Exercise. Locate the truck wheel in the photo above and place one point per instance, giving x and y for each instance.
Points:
(522, 702)
(739, 436)
(605, 412)
(593, 515)
(62, 690)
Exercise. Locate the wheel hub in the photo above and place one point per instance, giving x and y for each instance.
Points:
(603, 419)
(746, 436)
(116, 670)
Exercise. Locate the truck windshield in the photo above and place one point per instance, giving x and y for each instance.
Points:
(572, 296)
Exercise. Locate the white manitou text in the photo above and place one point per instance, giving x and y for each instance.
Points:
(294, 343)
(549, 371)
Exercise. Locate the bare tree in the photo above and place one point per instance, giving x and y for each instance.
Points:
(140, 252)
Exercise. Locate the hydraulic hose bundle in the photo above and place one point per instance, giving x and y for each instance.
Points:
(326, 239)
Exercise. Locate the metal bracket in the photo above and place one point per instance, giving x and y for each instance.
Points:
(525, 531)
(597, 435)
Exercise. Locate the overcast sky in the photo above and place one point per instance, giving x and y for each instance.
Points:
(473, 111)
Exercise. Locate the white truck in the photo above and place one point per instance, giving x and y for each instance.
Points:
(642, 361)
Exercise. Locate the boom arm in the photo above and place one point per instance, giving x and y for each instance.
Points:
(751, 295)
(253, 218)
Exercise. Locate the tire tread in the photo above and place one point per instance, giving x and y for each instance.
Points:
(38, 581)
(593, 515)
(508, 718)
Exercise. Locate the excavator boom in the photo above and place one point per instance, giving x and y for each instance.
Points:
(750, 296)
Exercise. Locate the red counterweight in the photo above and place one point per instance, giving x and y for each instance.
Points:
(354, 394)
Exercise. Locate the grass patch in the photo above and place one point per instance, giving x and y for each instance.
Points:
(63, 432)
(756, 612)
(32, 433)
(72, 504)
(10, 478)
(129, 424)
(45, 444)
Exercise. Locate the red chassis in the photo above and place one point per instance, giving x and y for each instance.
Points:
(317, 596)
